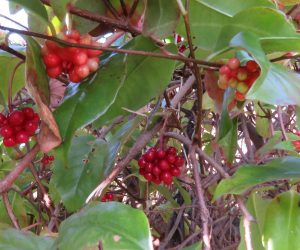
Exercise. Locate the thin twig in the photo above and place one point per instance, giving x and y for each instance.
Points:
(279, 112)
(9, 210)
(6, 48)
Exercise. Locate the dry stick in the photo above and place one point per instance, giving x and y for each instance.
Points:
(185, 242)
(111, 9)
(205, 64)
(10, 83)
(205, 217)
(279, 111)
(54, 216)
(247, 216)
(8, 180)
(9, 210)
(172, 231)
(247, 138)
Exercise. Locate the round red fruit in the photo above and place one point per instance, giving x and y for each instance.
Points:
(9, 142)
(3, 119)
(161, 154)
(166, 177)
(252, 66)
(156, 180)
(82, 71)
(142, 163)
(163, 165)
(80, 58)
(150, 156)
(45, 161)
(17, 129)
(156, 171)
(179, 161)
(296, 143)
(51, 46)
(74, 35)
(54, 72)
(36, 118)
(74, 77)
(16, 118)
(6, 131)
(233, 63)
(225, 70)
(31, 127)
(148, 168)
(93, 64)
(239, 96)
(171, 151)
(22, 137)
(148, 176)
(175, 172)
(109, 196)
(94, 52)
(142, 171)
(171, 158)
(51, 158)
(51, 60)
(28, 112)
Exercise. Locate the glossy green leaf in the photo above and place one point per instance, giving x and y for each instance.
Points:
(257, 208)
(12, 239)
(276, 85)
(77, 178)
(247, 176)
(116, 225)
(36, 77)
(227, 138)
(146, 77)
(281, 228)
(8, 64)
(161, 18)
(262, 122)
(60, 7)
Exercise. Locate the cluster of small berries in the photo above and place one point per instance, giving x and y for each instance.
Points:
(107, 197)
(178, 41)
(18, 126)
(47, 159)
(238, 77)
(158, 165)
(75, 63)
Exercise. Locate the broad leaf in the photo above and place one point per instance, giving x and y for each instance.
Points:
(248, 176)
(8, 64)
(115, 225)
(146, 77)
(276, 85)
(11, 239)
(60, 7)
(161, 18)
(281, 228)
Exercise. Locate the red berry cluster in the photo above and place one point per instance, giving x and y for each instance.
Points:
(107, 197)
(18, 126)
(158, 165)
(76, 63)
(47, 159)
(238, 77)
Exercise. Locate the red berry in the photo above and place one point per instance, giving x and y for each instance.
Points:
(22, 137)
(80, 58)
(142, 163)
(175, 172)
(86, 39)
(171, 151)
(156, 180)
(82, 71)
(109, 196)
(51, 46)
(171, 158)
(45, 161)
(296, 143)
(31, 127)
(74, 77)
(142, 171)
(233, 63)
(156, 170)
(9, 142)
(74, 35)
(239, 96)
(161, 154)
(6, 131)
(16, 118)
(148, 176)
(225, 70)
(3, 119)
(93, 64)
(103, 199)
(252, 66)
(51, 158)
(28, 112)
(182, 48)
(36, 118)
(54, 72)
(150, 156)
(166, 177)
(163, 165)
(17, 128)
(179, 161)
(148, 168)
(51, 60)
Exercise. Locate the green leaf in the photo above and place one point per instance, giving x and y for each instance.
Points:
(281, 228)
(116, 225)
(146, 77)
(36, 77)
(262, 122)
(275, 85)
(228, 131)
(84, 170)
(161, 18)
(8, 64)
(12, 239)
(60, 7)
(248, 176)
(257, 207)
